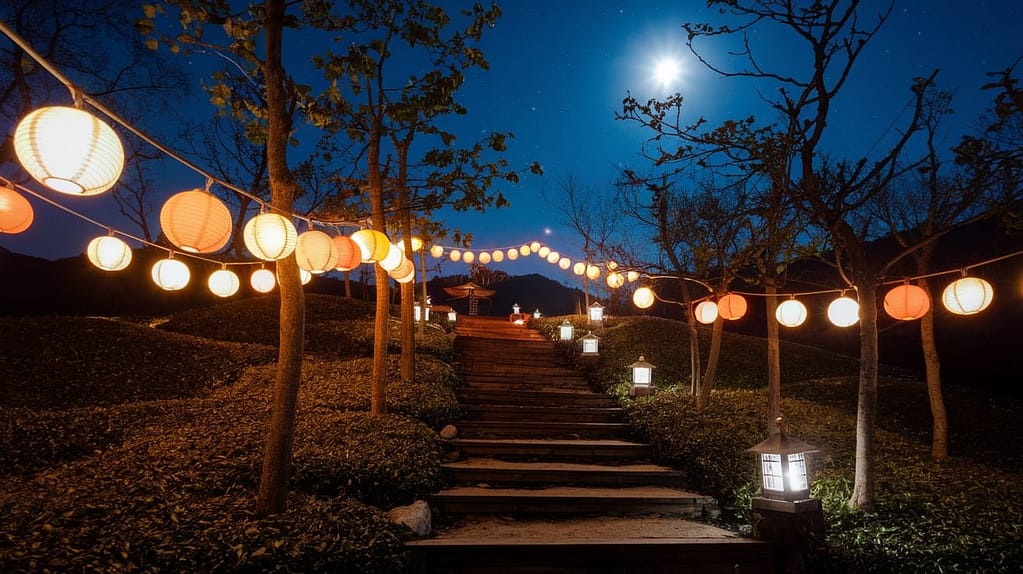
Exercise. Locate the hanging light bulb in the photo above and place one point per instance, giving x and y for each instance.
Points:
(171, 274)
(844, 312)
(223, 282)
(16, 213)
(263, 280)
(269, 236)
(109, 253)
(790, 313)
(196, 221)
(69, 150)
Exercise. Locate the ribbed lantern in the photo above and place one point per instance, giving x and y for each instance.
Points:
(69, 150)
(16, 213)
(564, 263)
(525, 250)
(498, 256)
(844, 312)
(535, 247)
(553, 257)
(543, 252)
(269, 236)
(732, 306)
(615, 280)
(315, 251)
(109, 253)
(967, 295)
(632, 275)
(485, 257)
(395, 257)
(171, 274)
(468, 257)
(592, 272)
(263, 280)
(579, 268)
(907, 302)
(223, 282)
(196, 221)
(706, 312)
(405, 272)
(455, 255)
(374, 244)
(349, 255)
(513, 254)
(437, 251)
(643, 297)
(790, 313)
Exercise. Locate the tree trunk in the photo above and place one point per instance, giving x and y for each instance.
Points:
(773, 357)
(378, 384)
(866, 408)
(421, 327)
(932, 366)
(408, 331)
(703, 399)
(273, 483)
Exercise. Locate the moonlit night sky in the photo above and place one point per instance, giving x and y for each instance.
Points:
(559, 70)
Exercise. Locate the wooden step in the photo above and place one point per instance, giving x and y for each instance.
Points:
(509, 473)
(554, 449)
(538, 413)
(573, 500)
(544, 429)
(553, 396)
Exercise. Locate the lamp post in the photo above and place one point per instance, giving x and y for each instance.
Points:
(642, 378)
(596, 313)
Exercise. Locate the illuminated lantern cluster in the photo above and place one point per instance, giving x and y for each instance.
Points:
(109, 253)
(69, 150)
(196, 221)
(16, 213)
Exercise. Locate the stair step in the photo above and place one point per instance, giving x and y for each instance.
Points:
(536, 413)
(560, 500)
(544, 429)
(500, 396)
(505, 473)
(554, 449)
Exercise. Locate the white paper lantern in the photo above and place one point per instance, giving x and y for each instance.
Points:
(498, 256)
(615, 280)
(535, 247)
(592, 272)
(270, 236)
(542, 252)
(437, 251)
(525, 250)
(790, 313)
(468, 257)
(579, 268)
(171, 274)
(109, 253)
(967, 296)
(485, 257)
(263, 280)
(564, 263)
(315, 251)
(844, 312)
(455, 255)
(513, 254)
(395, 256)
(405, 272)
(304, 277)
(196, 221)
(223, 282)
(706, 312)
(643, 297)
(69, 150)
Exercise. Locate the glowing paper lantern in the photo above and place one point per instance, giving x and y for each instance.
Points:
(16, 213)
(564, 263)
(535, 247)
(485, 257)
(706, 312)
(643, 297)
(171, 274)
(543, 252)
(223, 283)
(513, 254)
(615, 280)
(349, 255)
(732, 306)
(196, 221)
(416, 243)
(455, 255)
(263, 280)
(907, 302)
(525, 250)
(374, 244)
(498, 256)
(611, 265)
(394, 258)
(579, 268)
(844, 312)
(553, 257)
(304, 277)
(315, 251)
(632, 276)
(69, 150)
(468, 257)
(437, 251)
(109, 253)
(592, 272)
(404, 273)
(967, 296)
(790, 313)
(270, 236)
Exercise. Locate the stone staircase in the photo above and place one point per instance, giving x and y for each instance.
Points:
(549, 480)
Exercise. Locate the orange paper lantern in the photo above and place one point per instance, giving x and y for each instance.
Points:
(907, 302)
(196, 221)
(16, 213)
(374, 244)
(349, 255)
(732, 306)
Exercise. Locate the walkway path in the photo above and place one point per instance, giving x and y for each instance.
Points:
(549, 479)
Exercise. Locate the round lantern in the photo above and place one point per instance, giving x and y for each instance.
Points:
(844, 312)
(263, 280)
(416, 243)
(706, 312)
(907, 302)
(535, 247)
(485, 257)
(525, 250)
(498, 256)
(615, 280)
(579, 268)
(468, 257)
(16, 213)
(513, 254)
(270, 236)
(455, 255)
(374, 244)
(564, 263)
(304, 277)
(612, 265)
(543, 252)
(643, 297)
(196, 221)
(790, 313)
(349, 255)
(69, 150)
(592, 272)
(394, 258)
(967, 295)
(109, 253)
(632, 276)
(732, 306)
(437, 251)
(405, 272)
(223, 283)
(171, 274)
(315, 251)
(553, 257)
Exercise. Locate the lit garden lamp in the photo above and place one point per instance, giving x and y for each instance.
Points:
(516, 308)
(452, 316)
(596, 312)
(785, 510)
(566, 332)
(423, 311)
(642, 378)
(536, 314)
(591, 344)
